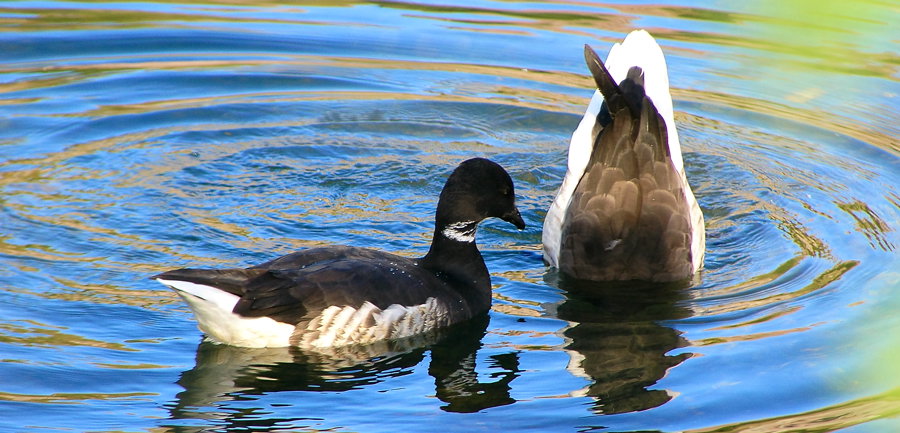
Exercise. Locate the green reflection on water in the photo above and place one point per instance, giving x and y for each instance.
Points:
(827, 419)
(822, 55)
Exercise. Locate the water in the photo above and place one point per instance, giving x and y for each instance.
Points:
(137, 137)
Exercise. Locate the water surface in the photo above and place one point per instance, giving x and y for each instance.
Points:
(137, 137)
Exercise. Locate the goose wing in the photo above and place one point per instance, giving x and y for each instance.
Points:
(296, 287)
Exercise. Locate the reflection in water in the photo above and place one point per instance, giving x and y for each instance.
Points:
(455, 378)
(830, 418)
(225, 374)
(869, 224)
(616, 340)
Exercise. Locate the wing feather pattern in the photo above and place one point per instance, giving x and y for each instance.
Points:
(297, 287)
(628, 218)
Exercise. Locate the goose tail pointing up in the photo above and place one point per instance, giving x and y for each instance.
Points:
(601, 219)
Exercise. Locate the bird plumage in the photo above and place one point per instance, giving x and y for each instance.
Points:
(342, 295)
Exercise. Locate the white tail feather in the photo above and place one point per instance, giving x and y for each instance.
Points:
(213, 310)
(641, 50)
(221, 299)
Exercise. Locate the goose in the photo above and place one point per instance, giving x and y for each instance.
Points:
(625, 210)
(340, 295)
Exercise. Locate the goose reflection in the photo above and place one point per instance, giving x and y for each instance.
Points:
(616, 339)
(225, 380)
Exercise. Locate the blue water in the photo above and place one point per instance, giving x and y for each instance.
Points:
(137, 137)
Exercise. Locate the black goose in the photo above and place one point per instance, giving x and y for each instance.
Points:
(341, 295)
(625, 210)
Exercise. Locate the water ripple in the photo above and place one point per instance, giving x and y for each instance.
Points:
(139, 137)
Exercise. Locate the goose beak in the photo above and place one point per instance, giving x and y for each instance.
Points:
(514, 218)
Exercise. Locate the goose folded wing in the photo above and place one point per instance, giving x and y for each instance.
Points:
(297, 294)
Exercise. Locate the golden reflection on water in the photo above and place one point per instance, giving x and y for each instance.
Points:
(102, 234)
(869, 224)
(296, 63)
(32, 333)
(757, 280)
(515, 307)
(131, 366)
(862, 131)
(827, 419)
(750, 337)
(757, 320)
(75, 398)
(525, 97)
(110, 294)
(809, 244)
(101, 18)
(819, 282)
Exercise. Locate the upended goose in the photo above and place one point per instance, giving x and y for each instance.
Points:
(625, 210)
(339, 295)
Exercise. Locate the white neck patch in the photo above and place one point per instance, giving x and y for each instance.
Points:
(463, 231)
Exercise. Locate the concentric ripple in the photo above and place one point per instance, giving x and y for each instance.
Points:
(139, 137)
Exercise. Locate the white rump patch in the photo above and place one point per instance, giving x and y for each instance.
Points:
(338, 326)
(213, 310)
(463, 231)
